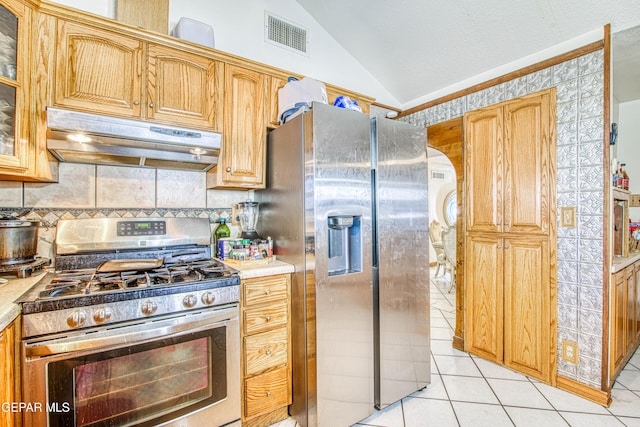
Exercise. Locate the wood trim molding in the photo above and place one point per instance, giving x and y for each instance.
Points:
(606, 273)
(593, 394)
(386, 107)
(592, 47)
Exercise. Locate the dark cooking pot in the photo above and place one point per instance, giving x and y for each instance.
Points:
(18, 241)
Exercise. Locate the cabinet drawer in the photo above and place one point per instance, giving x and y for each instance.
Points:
(261, 319)
(265, 350)
(264, 289)
(267, 391)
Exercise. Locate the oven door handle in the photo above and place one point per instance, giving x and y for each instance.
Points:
(135, 334)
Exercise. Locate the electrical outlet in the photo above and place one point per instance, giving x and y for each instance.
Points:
(570, 351)
(234, 216)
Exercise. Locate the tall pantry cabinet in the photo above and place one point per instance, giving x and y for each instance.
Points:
(510, 298)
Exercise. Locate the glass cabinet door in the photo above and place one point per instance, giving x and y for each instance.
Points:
(8, 84)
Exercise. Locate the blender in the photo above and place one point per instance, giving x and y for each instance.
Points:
(249, 219)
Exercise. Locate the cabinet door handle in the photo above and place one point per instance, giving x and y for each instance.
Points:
(268, 393)
(499, 247)
(136, 102)
(507, 247)
(151, 105)
(268, 318)
(268, 352)
(267, 292)
(228, 169)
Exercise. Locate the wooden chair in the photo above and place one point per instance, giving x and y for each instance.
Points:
(435, 235)
(449, 246)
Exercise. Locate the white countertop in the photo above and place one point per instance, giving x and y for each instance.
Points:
(620, 263)
(11, 291)
(249, 271)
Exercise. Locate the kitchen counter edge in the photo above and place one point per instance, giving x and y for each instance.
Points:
(10, 292)
(620, 263)
(249, 271)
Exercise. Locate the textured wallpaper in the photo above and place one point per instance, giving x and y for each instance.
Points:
(580, 182)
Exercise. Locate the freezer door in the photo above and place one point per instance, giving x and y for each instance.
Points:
(401, 261)
(338, 203)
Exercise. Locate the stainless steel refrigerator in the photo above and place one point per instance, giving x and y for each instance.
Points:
(347, 204)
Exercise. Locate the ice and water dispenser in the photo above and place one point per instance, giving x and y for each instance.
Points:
(345, 244)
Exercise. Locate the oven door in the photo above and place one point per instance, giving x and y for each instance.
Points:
(174, 370)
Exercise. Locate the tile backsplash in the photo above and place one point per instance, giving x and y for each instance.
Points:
(83, 186)
(90, 191)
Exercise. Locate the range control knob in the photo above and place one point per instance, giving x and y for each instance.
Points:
(189, 301)
(208, 298)
(76, 319)
(149, 307)
(102, 315)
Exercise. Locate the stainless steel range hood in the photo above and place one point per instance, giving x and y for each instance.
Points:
(90, 138)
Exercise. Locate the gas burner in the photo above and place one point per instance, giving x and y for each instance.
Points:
(80, 282)
(25, 269)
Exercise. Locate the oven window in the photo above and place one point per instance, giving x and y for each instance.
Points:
(143, 383)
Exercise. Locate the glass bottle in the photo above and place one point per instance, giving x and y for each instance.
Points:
(222, 231)
(625, 177)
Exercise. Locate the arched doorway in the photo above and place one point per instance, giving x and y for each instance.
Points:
(446, 138)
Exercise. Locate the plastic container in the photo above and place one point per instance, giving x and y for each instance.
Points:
(194, 31)
(298, 93)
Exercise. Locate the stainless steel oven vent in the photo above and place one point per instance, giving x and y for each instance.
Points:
(285, 34)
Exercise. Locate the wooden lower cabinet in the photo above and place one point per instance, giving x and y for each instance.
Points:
(624, 317)
(508, 319)
(266, 353)
(9, 364)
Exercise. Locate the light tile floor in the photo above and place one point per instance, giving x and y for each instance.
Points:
(469, 391)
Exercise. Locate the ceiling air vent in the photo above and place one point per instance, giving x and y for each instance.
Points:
(285, 34)
(437, 175)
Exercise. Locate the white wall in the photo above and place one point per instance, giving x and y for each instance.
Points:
(629, 147)
(239, 29)
(438, 190)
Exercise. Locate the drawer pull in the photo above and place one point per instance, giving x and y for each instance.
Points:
(268, 393)
(268, 318)
(267, 292)
(268, 352)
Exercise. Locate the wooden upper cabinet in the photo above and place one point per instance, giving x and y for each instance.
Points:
(275, 83)
(508, 166)
(526, 165)
(98, 71)
(184, 88)
(108, 73)
(15, 156)
(242, 158)
(483, 169)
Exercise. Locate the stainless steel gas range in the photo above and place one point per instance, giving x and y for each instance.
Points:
(137, 326)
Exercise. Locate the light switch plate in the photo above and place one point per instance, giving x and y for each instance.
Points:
(568, 216)
(634, 200)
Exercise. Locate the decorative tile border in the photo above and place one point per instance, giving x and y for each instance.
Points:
(50, 216)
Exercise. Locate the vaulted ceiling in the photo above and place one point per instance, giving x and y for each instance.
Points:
(415, 48)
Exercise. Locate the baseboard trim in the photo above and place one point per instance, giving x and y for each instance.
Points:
(458, 343)
(593, 394)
